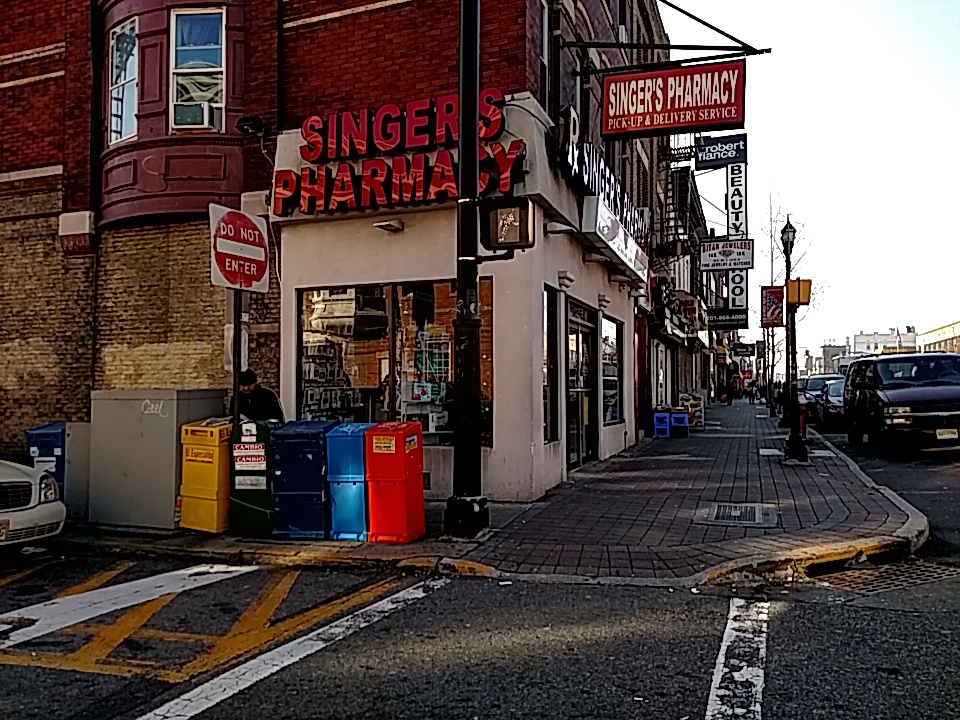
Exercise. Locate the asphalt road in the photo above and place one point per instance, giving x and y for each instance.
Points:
(930, 481)
(155, 640)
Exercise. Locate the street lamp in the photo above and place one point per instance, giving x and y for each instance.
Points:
(796, 448)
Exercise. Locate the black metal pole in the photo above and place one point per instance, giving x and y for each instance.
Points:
(467, 512)
(796, 449)
(237, 350)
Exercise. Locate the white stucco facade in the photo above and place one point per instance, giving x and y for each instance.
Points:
(338, 251)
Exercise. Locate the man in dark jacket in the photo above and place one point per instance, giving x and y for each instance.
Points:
(256, 401)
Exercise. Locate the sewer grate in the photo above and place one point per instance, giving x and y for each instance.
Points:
(770, 452)
(889, 577)
(738, 514)
(822, 453)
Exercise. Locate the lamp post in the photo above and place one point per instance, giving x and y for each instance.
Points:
(467, 512)
(796, 449)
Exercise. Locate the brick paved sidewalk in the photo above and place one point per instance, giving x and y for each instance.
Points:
(636, 515)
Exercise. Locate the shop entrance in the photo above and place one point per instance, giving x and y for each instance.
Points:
(582, 405)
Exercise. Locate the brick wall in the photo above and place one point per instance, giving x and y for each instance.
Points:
(45, 321)
(159, 320)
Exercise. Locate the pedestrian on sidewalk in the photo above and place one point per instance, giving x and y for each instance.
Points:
(731, 389)
(752, 392)
(257, 403)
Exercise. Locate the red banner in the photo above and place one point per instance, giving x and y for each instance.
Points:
(688, 99)
(771, 306)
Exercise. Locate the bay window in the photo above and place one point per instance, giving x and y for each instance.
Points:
(123, 82)
(198, 62)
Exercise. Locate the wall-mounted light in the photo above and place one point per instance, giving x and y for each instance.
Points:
(391, 226)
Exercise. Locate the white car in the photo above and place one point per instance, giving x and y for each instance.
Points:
(30, 507)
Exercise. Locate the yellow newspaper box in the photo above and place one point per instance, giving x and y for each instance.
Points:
(205, 475)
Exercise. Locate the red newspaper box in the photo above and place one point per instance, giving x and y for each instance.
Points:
(394, 469)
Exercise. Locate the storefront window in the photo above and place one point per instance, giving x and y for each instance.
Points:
(612, 370)
(345, 355)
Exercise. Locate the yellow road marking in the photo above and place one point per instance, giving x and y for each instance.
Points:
(110, 637)
(20, 574)
(249, 635)
(236, 647)
(184, 638)
(98, 579)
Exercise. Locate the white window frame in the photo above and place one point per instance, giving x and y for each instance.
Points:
(111, 86)
(174, 71)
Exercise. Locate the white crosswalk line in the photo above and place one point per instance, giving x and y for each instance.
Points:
(60, 613)
(737, 687)
(223, 686)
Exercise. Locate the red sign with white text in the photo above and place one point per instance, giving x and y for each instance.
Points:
(688, 99)
(239, 258)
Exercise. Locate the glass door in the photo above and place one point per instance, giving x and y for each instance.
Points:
(582, 409)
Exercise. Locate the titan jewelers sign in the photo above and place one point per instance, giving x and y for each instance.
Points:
(689, 99)
(726, 254)
(393, 156)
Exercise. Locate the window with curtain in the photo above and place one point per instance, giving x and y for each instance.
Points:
(123, 82)
(198, 70)
(612, 370)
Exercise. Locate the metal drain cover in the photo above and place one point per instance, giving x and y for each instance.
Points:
(889, 577)
(760, 515)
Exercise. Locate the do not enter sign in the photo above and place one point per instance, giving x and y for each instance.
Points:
(239, 258)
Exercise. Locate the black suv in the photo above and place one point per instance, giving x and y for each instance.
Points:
(912, 398)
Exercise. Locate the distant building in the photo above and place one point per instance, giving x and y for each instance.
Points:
(892, 341)
(830, 353)
(946, 338)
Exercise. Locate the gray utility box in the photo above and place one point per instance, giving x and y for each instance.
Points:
(76, 490)
(135, 453)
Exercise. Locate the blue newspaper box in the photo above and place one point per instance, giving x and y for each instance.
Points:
(47, 447)
(299, 451)
(346, 477)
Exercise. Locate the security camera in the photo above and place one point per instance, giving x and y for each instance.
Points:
(252, 126)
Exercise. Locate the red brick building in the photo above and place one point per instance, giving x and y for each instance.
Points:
(119, 122)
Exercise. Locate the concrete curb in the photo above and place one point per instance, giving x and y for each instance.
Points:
(916, 530)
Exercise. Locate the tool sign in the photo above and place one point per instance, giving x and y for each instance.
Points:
(239, 258)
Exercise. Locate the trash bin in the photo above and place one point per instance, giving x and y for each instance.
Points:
(299, 480)
(679, 424)
(47, 444)
(346, 477)
(205, 475)
(661, 424)
(251, 505)
(394, 467)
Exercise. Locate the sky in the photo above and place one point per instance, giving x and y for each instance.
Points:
(850, 126)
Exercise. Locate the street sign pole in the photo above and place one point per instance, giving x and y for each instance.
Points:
(237, 350)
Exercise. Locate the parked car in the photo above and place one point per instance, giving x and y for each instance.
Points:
(830, 404)
(811, 391)
(30, 506)
(911, 399)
